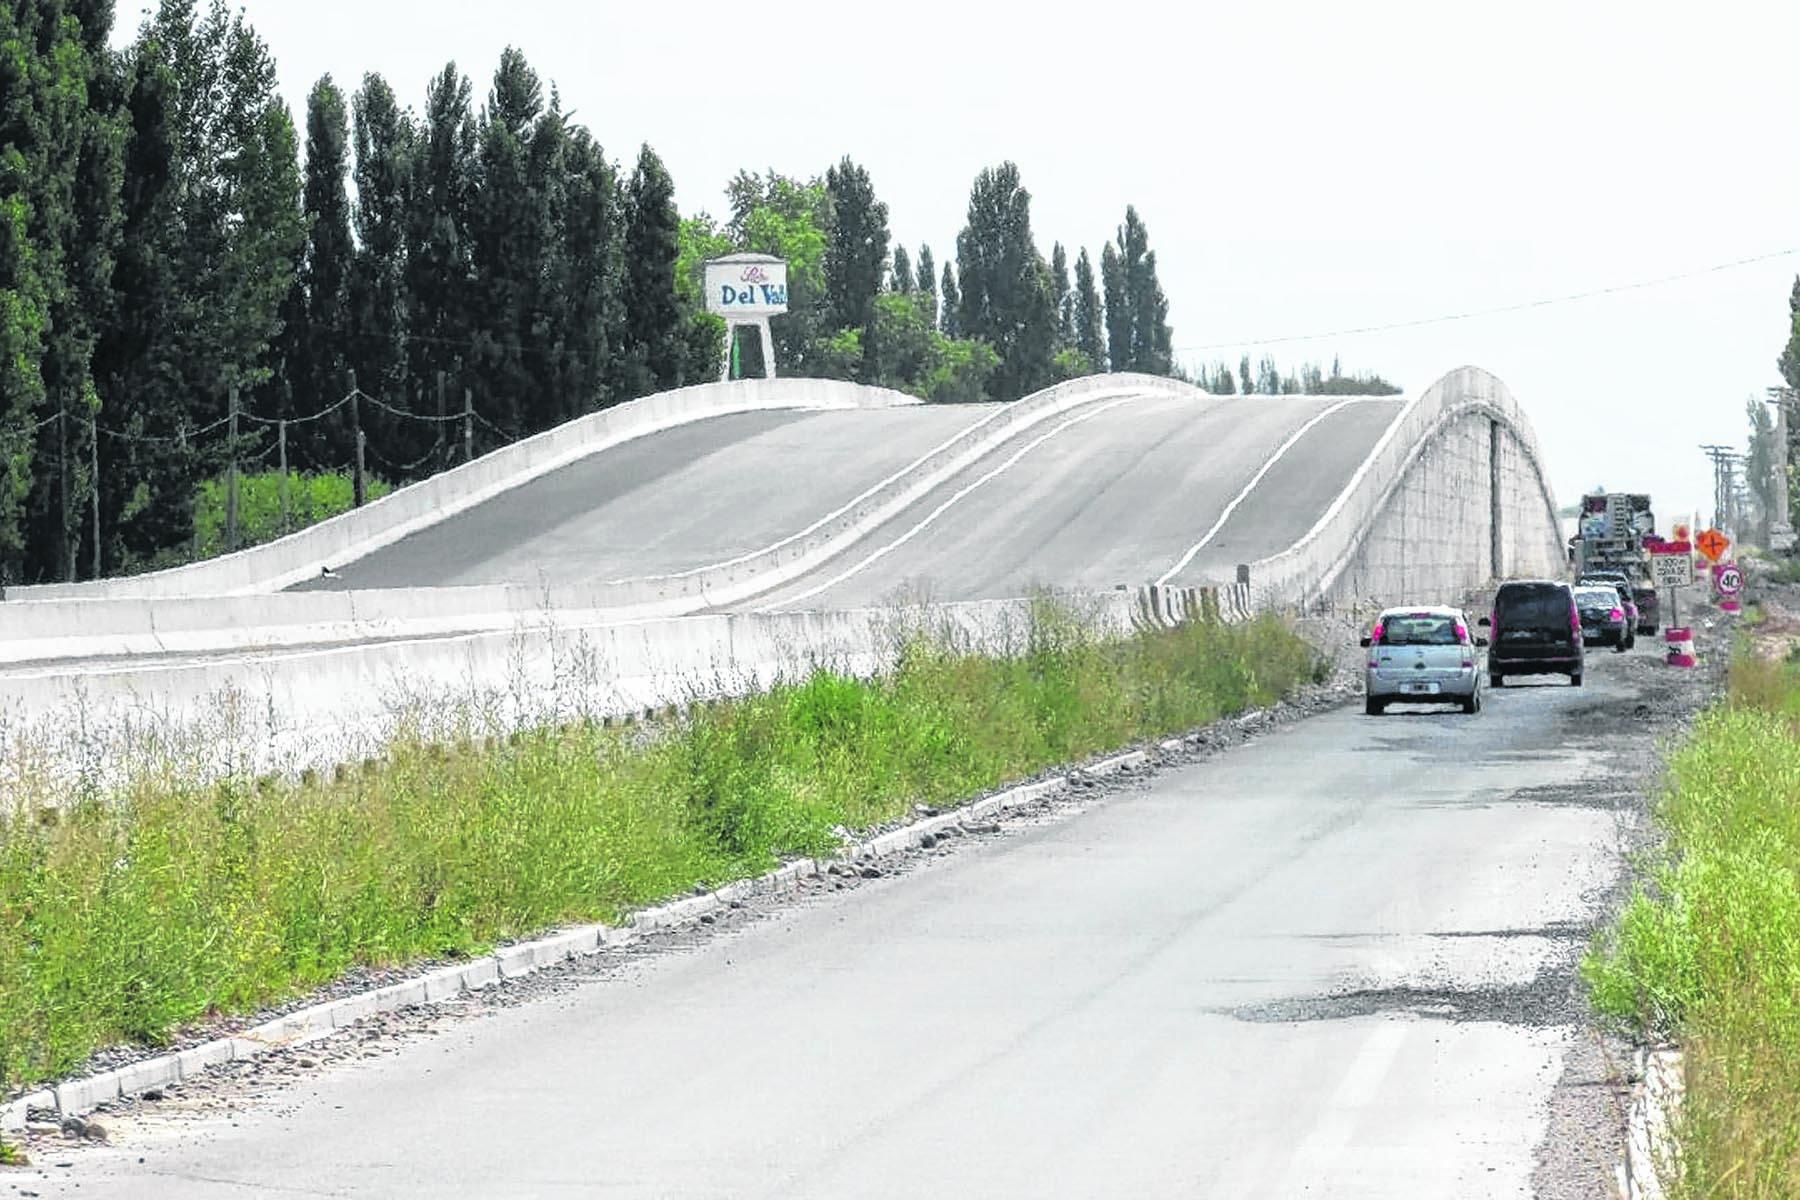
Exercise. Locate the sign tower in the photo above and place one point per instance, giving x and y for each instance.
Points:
(746, 289)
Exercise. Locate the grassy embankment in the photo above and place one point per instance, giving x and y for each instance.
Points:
(128, 917)
(1707, 951)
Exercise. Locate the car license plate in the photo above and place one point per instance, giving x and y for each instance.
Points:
(1422, 689)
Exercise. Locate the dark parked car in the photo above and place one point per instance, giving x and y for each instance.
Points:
(1605, 621)
(1535, 629)
(1642, 595)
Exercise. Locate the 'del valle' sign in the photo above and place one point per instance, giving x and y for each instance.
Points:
(746, 285)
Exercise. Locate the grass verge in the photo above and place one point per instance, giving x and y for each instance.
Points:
(125, 917)
(1707, 949)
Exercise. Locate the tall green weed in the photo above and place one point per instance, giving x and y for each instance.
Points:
(1707, 949)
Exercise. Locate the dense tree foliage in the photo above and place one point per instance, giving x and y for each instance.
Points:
(172, 267)
(1006, 292)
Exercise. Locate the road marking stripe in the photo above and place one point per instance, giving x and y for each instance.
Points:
(1250, 487)
(942, 508)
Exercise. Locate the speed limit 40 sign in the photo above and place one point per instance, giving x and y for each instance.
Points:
(1728, 580)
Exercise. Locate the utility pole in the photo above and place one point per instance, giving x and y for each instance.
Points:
(438, 454)
(1724, 461)
(281, 459)
(94, 481)
(231, 476)
(356, 484)
(1781, 527)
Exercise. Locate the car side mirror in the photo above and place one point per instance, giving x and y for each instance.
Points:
(1365, 642)
(1481, 641)
(1485, 623)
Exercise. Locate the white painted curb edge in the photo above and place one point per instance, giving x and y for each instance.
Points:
(1648, 1147)
(510, 962)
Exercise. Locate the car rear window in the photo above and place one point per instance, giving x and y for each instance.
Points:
(1532, 606)
(1597, 597)
(1423, 629)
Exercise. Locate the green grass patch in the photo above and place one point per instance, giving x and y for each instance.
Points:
(1707, 949)
(311, 498)
(127, 917)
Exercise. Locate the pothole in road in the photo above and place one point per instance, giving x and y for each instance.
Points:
(1545, 1001)
(1548, 998)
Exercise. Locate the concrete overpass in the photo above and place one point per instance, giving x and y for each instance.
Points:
(735, 530)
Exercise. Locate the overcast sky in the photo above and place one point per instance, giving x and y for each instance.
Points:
(1303, 168)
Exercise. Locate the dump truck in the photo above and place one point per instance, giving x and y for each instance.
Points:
(1609, 541)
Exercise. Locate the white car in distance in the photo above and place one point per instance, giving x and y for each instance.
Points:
(1422, 655)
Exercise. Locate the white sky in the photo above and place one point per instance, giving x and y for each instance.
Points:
(1303, 167)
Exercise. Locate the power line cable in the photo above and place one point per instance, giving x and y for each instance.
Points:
(1498, 310)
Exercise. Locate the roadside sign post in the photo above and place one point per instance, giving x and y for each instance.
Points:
(1728, 581)
(1672, 568)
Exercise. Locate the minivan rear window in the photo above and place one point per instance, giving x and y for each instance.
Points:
(1532, 606)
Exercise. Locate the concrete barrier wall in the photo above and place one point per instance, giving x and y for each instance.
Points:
(287, 710)
(342, 539)
(1417, 521)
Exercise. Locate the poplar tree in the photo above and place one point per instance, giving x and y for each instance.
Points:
(950, 305)
(377, 327)
(654, 354)
(440, 306)
(1089, 317)
(856, 253)
(903, 271)
(1007, 300)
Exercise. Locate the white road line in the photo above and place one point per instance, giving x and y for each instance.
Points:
(1250, 487)
(1318, 1159)
(939, 511)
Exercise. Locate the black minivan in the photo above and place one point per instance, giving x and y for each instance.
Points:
(1535, 629)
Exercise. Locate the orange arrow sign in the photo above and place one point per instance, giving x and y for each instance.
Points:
(1712, 544)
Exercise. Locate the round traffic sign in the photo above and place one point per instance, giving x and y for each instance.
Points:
(1728, 579)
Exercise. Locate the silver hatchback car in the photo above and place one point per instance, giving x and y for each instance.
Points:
(1422, 655)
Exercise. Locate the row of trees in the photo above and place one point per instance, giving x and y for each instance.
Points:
(189, 283)
(1309, 380)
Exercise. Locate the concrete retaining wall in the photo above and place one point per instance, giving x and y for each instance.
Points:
(1453, 496)
(320, 705)
(345, 538)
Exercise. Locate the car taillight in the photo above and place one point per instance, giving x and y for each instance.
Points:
(1375, 637)
(1462, 634)
(1617, 615)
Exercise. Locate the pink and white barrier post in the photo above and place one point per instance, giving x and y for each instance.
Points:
(1680, 639)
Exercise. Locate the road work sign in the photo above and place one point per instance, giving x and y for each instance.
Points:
(1712, 545)
(1672, 570)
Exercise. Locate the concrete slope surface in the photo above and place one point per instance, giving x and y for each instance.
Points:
(1113, 493)
(683, 498)
(1334, 961)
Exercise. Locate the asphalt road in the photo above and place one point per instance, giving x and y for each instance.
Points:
(1333, 961)
(1114, 493)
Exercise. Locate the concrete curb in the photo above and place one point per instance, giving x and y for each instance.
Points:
(513, 962)
(1648, 1144)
